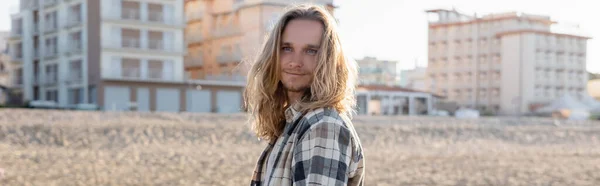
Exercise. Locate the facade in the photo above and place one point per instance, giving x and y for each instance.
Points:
(377, 72)
(504, 63)
(111, 54)
(220, 34)
(414, 79)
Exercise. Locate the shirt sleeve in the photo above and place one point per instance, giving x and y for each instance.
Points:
(322, 155)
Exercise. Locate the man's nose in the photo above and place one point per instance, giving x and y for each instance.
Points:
(296, 60)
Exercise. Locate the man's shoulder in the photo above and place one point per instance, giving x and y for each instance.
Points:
(323, 115)
(319, 117)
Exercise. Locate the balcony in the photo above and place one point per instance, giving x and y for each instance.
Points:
(17, 81)
(194, 15)
(74, 77)
(50, 27)
(158, 74)
(157, 45)
(194, 61)
(50, 80)
(50, 52)
(158, 17)
(74, 47)
(131, 42)
(16, 33)
(194, 38)
(30, 4)
(136, 73)
(48, 3)
(133, 73)
(130, 14)
(73, 21)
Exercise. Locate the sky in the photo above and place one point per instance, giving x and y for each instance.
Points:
(397, 29)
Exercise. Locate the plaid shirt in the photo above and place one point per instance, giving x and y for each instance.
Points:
(318, 148)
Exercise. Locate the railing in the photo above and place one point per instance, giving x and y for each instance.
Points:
(156, 17)
(50, 26)
(130, 13)
(156, 45)
(155, 73)
(50, 2)
(75, 77)
(50, 52)
(75, 46)
(17, 80)
(131, 42)
(73, 21)
(51, 79)
(16, 33)
(127, 73)
(195, 38)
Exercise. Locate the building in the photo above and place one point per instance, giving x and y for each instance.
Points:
(503, 62)
(414, 79)
(222, 33)
(5, 76)
(110, 54)
(394, 100)
(377, 72)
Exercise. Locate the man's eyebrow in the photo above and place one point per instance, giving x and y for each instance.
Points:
(314, 46)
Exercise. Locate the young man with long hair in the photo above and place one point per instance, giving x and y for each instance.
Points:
(300, 95)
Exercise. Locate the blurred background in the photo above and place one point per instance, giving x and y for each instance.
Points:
(467, 65)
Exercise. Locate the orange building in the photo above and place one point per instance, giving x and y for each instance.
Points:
(222, 33)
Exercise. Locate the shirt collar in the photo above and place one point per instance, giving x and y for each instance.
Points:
(292, 113)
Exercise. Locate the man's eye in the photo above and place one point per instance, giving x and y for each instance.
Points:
(286, 49)
(311, 52)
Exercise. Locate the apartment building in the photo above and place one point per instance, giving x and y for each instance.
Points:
(111, 54)
(504, 62)
(372, 71)
(222, 33)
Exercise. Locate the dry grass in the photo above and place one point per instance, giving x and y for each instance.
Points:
(95, 148)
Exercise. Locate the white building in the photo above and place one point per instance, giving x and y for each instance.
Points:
(377, 72)
(505, 62)
(110, 53)
(414, 79)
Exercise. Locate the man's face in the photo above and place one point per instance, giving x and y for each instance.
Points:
(300, 44)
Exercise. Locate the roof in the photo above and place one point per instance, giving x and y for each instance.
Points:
(490, 19)
(540, 32)
(396, 88)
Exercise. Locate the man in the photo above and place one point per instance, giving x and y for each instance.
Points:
(300, 95)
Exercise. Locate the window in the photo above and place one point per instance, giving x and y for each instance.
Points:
(75, 96)
(51, 46)
(52, 95)
(75, 73)
(52, 73)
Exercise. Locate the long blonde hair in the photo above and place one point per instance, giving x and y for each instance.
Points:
(334, 78)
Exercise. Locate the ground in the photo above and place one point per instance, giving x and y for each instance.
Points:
(42, 147)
